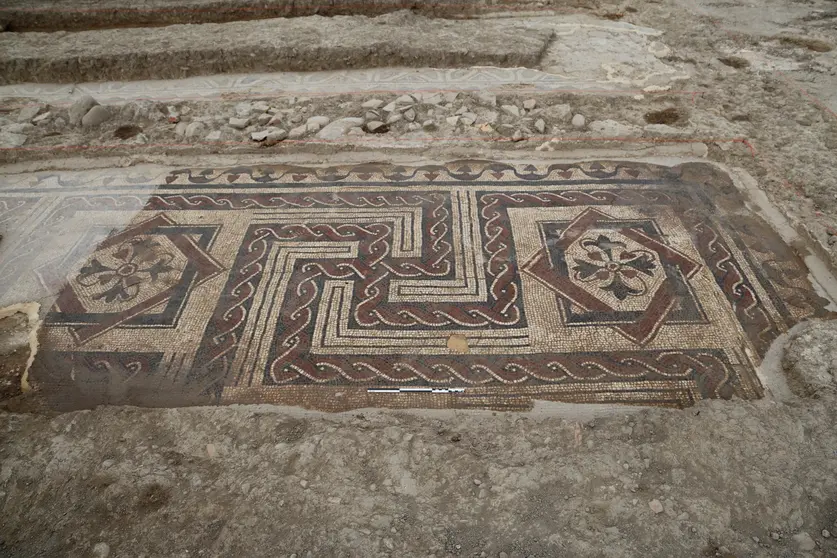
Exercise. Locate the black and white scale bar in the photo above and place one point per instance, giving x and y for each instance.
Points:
(415, 390)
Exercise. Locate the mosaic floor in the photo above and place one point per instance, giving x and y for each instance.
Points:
(471, 284)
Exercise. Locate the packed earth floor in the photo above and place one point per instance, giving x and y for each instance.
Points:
(498, 280)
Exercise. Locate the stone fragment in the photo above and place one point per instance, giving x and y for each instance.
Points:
(579, 121)
(462, 110)
(59, 123)
(394, 117)
(804, 542)
(468, 118)
(259, 136)
(101, 550)
(42, 118)
(490, 116)
(390, 107)
(655, 506)
(809, 364)
(826, 533)
(195, 130)
(79, 108)
(530, 104)
(315, 123)
(339, 128)
(450, 97)
(96, 116)
(172, 114)
(410, 115)
(26, 114)
(239, 123)
(511, 110)
(274, 136)
(356, 131)
(10, 139)
(214, 135)
(557, 113)
(180, 129)
(373, 104)
(298, 132)
(376, 127)
(429, 125)
(405, 100)
(413, 126)
(540, 125)
(264, 118)
(432, 98)
(243, 110)
(275, 120)
(452, 120)
(517, 136)
(260, 107)
(486, 98)
(372, 115)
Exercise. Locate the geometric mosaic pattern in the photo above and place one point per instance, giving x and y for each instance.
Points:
(592, 282)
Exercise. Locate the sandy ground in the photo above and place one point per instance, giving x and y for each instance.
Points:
(720, 479)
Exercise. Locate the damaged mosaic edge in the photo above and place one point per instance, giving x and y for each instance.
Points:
(415, 390)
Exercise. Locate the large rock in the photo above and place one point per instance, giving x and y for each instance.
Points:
(26, 114)
(10, 139)
(80, 108)
(96, 116)
(195, 130)
(810, 359)
(339, 128)
(298, 132)
(560, 114)
(315, 123)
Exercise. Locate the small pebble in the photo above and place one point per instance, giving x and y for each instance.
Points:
(95, 117)
(376, 127)
(804, 542)
(373, 104)
(511, 110)
(239, 123)
(101, 550)
(655, 506)
(579, 121)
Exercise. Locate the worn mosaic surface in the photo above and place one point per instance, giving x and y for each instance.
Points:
(489, 284)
